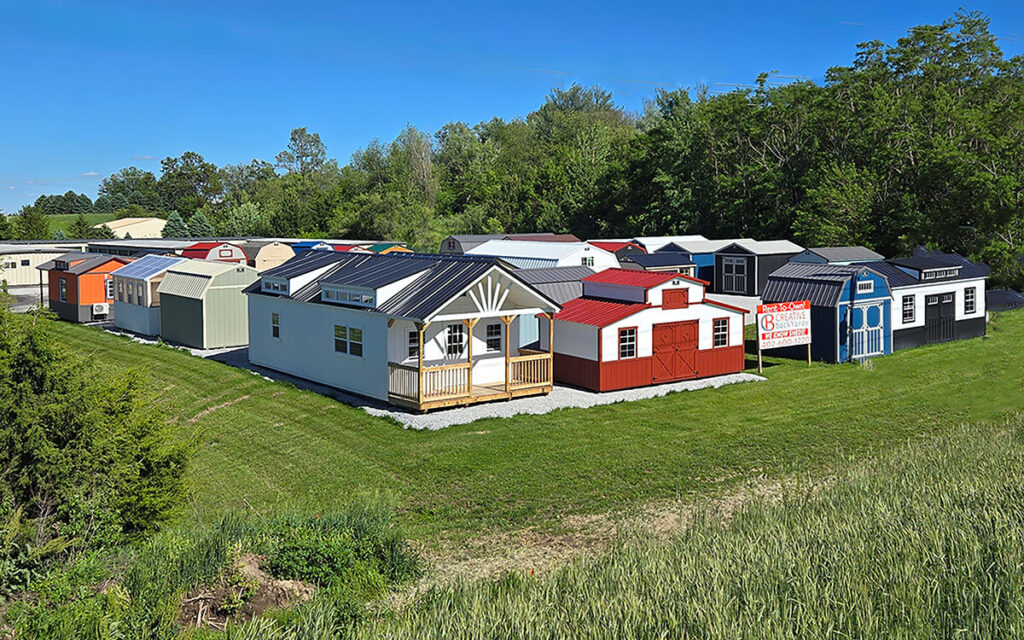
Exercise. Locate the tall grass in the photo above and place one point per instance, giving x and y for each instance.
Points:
(926, 542)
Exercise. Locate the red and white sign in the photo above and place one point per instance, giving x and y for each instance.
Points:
(783, 324)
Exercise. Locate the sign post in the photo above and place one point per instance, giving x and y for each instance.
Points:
(783, 324)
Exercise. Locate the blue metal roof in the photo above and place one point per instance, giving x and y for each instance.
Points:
(147, 266)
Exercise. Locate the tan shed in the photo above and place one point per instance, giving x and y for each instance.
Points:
(202, 304)
(267, 254)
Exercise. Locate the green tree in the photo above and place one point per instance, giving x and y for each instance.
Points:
(102, 232)
(32, 224)
(8, 230)
(134, 186)
(243, 220)
(80, 229)
(59, 234)
(199, 226)
(175, 227)
(188, 182)
(109, 203)
(305, 154)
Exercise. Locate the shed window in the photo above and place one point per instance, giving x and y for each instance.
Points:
(909, 309)
(627, 343)
(348, 340)
(414, 344)
(865, 286)
(721, 332)
(493, 338)
(275, 325)
(970, 300)
(140, 294)
(455, 340)
(109, 286)
(225, 253)
(587, 261)
(120, 291)
(131, 293)
(62, 287)
(24, 263)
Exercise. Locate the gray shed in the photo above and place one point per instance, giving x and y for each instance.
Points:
(202, 304)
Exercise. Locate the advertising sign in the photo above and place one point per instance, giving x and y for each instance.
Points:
(783, 324)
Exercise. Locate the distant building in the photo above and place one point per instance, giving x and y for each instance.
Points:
(621, 248)
(135, 227)
(461, 244)
(837, 255)
(19, 262)
(267, 254)
(81, 288)
(666, 261)
(216, 251)
(742, 268)
(523, 254)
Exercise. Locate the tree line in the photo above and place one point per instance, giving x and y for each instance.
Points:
(916, 142)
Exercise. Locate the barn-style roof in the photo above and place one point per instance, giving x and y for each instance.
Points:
(763, 247)
(632, 277)
(599, 313)
(822, 284)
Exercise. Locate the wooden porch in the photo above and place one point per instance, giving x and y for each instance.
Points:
(423, 388)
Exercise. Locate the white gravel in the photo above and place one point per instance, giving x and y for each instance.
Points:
(560, 398)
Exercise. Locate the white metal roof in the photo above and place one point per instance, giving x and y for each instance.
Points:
(530, 249)
(708, 246)
(769, 247)
(653, 243)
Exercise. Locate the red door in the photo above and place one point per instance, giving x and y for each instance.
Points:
(675, 350)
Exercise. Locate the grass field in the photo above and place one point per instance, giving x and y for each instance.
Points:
(269, 447)
(64, 221)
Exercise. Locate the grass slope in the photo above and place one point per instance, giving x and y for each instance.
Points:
(64, 221)
(269, 447)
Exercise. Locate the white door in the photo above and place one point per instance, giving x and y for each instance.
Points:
(866, 331)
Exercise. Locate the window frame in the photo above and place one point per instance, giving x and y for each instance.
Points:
(912, 309)
(62, 289)
(734, 261)
(865, 286)
(108, 288)
(450, 331)
(350, 342)
(970, 297)
(715, 333)
(488, 338)
(632, 332)
(275, 325)
(413, 344)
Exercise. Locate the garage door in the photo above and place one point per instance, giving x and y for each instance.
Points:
(675, 350)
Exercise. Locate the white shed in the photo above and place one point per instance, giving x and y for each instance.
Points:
(528, 254)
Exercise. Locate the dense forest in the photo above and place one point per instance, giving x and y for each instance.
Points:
(916, 142)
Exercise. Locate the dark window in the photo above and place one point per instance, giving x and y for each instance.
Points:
(62, 285)
(275, 325)
(340, 339)
(909, 309)
(455, 342)
(970, 300)
(627, 343)
(414, 344)
(493, 337)
(721, 332)
(24, 263)
(348, 340)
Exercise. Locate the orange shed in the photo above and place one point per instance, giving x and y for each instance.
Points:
(80, 285)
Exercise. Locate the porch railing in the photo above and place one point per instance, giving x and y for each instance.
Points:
(451, 381)
(446, 381)
(530, 371)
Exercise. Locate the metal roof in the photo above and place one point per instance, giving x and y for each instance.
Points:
(554, 274)
(527, 264)
(190, 278)
(1003, 300)
(365, 270)
(146, 267)
(560, 292)
(599, 313)
(653, 243)
(86, 262)
(614, 245)
(306, 262)
(822, 284)
(142, 243)
(543, 237)
(700, 246)
(660, 259)
(900, 277)
(11, 249)
(529, 249)
(766, 247)
(632, 277)
(846, 254)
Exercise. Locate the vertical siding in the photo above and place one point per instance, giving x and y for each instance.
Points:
(181, 321)
(226, 318)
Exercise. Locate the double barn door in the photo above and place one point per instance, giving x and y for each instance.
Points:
(939, 317)
(675, 351)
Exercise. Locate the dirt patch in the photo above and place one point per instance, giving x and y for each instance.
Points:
(223, 405)
(532, 551)
(241, 594)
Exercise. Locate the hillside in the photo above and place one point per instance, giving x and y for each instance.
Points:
(64, 221)
(269, 447)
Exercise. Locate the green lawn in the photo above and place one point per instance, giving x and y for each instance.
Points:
(64, 221)
(267, 446)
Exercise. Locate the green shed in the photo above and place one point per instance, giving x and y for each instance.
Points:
(202, 304)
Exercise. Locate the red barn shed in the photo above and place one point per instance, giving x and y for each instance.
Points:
(216, 251)
(637, 328)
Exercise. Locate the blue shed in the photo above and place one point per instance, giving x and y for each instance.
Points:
(311, 245)
(702, 253)
(851, 308)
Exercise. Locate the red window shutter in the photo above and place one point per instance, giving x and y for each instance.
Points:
(675, 298)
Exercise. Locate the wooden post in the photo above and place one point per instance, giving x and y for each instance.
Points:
(808, 354)
(551, 346)
(507, 321)
(470, 322)
(420, 328)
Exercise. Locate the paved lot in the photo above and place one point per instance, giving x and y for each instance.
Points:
(26, 298)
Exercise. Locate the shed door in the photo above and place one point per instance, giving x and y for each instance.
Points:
(939, 316)
(734, 274)
(674, 351)
(867, 330)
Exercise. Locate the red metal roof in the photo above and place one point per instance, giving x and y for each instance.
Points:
(203, 246)
(632, 277)
(599, 313)
(718, 303)
(615, 246)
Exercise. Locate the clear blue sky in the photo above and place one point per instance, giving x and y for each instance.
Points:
(91, 87)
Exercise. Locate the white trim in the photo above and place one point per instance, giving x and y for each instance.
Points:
(434, 315)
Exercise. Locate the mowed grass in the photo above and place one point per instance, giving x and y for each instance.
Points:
(269, 447)
(64, 221)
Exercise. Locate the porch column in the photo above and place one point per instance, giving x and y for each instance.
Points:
(470, 322)
(507, 321)
(420, 328)
(551, 346)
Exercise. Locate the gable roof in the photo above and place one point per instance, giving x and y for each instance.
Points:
(632, 277)
(700, 246)
(126, 222)
(660, 259)
(85, 262)
(147, 266)
(542, 237)
(1003, 300)
(764, 247)
(615, 245)
(442, 277)
(190, 278)
(846, 254)
(599, 313)
(822, 284)
(899, 277)
(529, 249)
(653, 243)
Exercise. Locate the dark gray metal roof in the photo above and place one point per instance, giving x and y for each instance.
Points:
(897, 277)
(926, 259)
(968, 269)
(660, 259)
(307, 261)
(822, 284)
(88, 262)
(1003, 300)
(554, 274)
(846, 254)
(560, 292)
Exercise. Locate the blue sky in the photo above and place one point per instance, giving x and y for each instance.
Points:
(91, 87)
